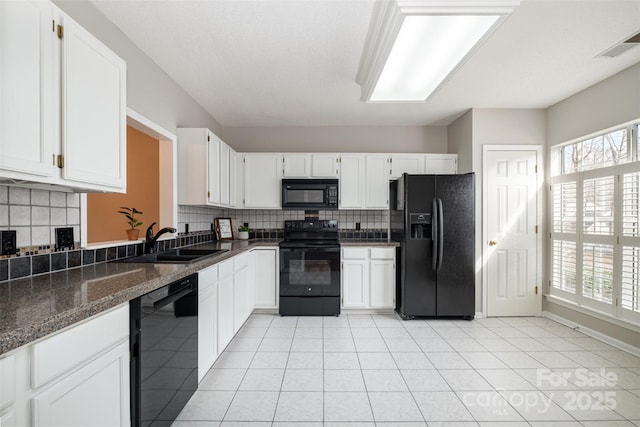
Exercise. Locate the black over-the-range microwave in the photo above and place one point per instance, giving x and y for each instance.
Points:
(310, 194)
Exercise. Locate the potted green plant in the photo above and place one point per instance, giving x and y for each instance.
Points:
(132, 220)
(243, 232)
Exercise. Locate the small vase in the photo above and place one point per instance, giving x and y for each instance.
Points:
(132, 233)
(243, 235)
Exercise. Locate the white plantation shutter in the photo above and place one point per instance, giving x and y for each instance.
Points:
(564, 266)
(631, 204)
(598, 198)
(564, 207)
(630, 298)
(597, 272)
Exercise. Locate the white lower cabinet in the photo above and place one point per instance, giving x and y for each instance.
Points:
(368, 277)
(266, 273)
(96, 394)
(225, 303)
(76, 377)
(207, 319)
(242, 294)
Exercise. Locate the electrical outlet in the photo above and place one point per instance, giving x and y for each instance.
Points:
(8, 239)
(64, 238)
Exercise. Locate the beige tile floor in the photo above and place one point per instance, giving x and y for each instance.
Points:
(377, 370)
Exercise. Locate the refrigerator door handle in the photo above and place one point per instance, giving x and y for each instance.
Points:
(434, 234)
(440, 234)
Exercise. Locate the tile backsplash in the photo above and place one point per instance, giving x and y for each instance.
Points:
(35, 214)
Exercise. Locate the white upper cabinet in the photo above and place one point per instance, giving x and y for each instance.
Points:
(262, 176)
(206, 169)
(325, 166)
(377, 181)
(296, 165)
(62, 101)
(444, 164)
(406, 163)
(352, 176)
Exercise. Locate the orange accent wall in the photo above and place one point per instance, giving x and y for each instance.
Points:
(104, 221)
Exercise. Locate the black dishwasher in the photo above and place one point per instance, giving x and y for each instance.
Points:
(164, 351)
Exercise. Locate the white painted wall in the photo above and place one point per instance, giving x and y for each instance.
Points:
(611, 102)
(460, 141)
(367, 139)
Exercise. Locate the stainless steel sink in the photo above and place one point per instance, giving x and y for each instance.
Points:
(175, 256)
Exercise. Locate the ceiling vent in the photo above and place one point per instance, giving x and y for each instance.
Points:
(620, 48)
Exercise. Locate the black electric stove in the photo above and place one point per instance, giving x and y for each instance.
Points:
(310, 268)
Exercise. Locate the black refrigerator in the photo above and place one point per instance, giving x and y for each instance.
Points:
(432, 216)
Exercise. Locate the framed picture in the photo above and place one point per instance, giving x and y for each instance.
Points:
(224, 230)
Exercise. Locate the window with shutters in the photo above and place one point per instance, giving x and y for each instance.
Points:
(595, 222)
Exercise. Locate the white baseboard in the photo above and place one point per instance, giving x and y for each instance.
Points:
(479, 315)
(594, 334)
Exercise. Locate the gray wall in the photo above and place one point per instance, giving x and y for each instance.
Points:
(611, 102)
(460, 141)
(354, 139)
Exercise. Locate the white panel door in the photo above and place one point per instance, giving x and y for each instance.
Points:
(352, 181)
(225, 168)
(213, 169)
(377, 181)
(207, 319)
(511, 241)
(27, 109)
(441, 164)
(266, 278)
(94, 111)
(355, 284)
(325, 166)
(296, 165)
(406, 163)
(262, 175)
(383, 284)
(95, 395)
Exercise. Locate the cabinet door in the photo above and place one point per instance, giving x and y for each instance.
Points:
(262, 175)
(296, 165)
(225, 158)
(207, 319)
(94, 111)
(233, 178)
(355, 284)
(382, 285)
(324, 166)
(352, 176)
(377, 181)
(406, 163)
(96, 394)
(241, 298)
(27, 110)
(213, 169)
(443, 164)
(225, 312)
(266, 278)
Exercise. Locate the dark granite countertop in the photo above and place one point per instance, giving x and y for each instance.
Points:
(34, 307)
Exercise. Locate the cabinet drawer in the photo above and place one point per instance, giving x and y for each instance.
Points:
(383, 253)
(225, 269)
(355, 253)
(66, 350)
(240, 261)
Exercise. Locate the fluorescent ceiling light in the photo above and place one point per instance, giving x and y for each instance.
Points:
(412, 47)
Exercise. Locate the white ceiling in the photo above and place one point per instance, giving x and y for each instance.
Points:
(293, 63)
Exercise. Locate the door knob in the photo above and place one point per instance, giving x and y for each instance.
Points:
(493, 242)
